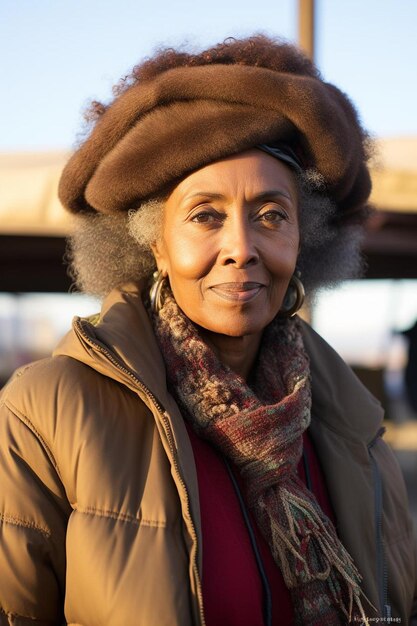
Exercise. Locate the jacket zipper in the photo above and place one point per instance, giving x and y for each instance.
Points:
(382, 572)
(168, 432)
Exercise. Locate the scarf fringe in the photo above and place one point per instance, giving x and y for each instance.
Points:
(291, 541)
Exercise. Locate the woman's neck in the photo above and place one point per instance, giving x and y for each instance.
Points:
(239, 353)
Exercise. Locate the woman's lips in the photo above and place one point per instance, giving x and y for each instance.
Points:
(238, 292)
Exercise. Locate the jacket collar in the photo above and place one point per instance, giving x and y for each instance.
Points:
(340, 401)
(125, 331)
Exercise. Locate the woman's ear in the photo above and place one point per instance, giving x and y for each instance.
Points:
(158, 250)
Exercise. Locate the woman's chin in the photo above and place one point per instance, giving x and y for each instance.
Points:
(233, 318)
(235, 327)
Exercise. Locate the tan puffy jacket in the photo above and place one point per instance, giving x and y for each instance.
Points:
(99, 510)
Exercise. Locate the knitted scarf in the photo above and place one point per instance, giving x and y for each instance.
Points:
(259, 429)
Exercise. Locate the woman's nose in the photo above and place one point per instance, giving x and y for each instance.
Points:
(238, 245)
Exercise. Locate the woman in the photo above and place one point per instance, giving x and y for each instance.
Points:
(196, 454)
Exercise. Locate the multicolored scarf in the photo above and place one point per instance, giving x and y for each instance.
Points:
(259, 429)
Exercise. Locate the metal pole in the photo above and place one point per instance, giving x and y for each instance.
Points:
(306, 42)
(306, 27)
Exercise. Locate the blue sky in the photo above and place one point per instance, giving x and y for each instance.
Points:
(57, 54)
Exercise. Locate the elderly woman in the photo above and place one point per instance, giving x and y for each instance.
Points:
(196, 454)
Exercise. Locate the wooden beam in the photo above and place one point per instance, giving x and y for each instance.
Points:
(390, 245)
(32, 264)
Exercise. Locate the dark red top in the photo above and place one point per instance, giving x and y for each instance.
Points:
(232, 587)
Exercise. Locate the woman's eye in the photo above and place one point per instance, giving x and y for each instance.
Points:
(273, 215)
(205, 217)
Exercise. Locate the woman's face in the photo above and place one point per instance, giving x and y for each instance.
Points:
(230, 241)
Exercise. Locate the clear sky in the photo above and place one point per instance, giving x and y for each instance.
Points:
(57, 54)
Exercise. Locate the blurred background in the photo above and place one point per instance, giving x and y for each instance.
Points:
(56, 56)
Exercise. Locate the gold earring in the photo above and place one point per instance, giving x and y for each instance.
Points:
(294, 297)
(155, 292)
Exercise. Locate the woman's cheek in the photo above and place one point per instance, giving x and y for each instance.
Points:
(191, 261)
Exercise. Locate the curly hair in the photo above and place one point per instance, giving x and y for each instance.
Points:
(107, 251)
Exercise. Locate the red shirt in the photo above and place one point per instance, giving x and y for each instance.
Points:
(232, 587)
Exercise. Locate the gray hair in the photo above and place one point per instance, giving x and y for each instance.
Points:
(107, 251)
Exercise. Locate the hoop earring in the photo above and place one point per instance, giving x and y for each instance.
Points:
(155, 292)
(294, 297)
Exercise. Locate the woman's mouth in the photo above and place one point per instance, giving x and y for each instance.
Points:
(237, 292)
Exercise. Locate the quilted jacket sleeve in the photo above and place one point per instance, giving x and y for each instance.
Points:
(33, 518)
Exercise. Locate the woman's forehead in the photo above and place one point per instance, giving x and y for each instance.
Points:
(252, 171)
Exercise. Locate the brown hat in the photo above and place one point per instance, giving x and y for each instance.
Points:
(166, 126)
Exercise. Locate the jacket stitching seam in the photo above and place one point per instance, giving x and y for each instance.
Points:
(27, 422)
(124, 517)
(22, 523)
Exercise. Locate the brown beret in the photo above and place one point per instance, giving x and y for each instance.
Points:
(163, 128)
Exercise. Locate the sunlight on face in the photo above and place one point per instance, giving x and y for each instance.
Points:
(230, 242)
